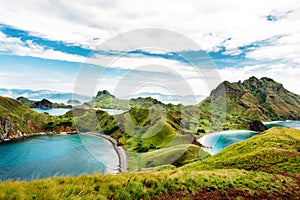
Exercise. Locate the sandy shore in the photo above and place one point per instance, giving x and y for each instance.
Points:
(123, 159)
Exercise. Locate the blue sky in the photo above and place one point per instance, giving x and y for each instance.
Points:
(46, 45)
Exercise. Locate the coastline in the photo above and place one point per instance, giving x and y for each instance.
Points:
(123, 158)
(24, 135)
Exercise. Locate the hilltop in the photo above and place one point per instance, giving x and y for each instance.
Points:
(254, 99)
(270, 172)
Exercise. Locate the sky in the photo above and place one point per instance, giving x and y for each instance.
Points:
(133, 46)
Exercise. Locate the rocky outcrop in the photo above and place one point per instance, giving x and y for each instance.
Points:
(43, 104)
(256, 125)
(5, 127)
(105, 92)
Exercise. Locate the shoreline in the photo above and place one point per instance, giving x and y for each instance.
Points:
(123, 158)
(25, 135)
(122, 155)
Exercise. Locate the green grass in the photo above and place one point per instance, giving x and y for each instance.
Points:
(277, 149)
(146, 185)
(254, 99)
(22, 119)
(264, 166)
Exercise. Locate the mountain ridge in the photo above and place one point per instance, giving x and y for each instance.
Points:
(232, 105)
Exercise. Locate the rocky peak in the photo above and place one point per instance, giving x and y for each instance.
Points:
(252, 83)
(104, 92)
(43, 104)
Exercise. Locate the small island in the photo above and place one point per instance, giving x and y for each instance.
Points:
(43, 104)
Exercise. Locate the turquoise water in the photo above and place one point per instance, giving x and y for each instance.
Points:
(216, 142)
(44, 156)
(289, 123)
(53, 111)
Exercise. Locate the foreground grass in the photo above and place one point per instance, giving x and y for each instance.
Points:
(147, 185)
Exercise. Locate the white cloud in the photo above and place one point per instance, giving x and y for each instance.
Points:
(286, 48)
(143, 71)
(208, 23)
(14, 46)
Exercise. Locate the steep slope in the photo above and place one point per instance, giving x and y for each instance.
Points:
(17, 120)
(261, 99)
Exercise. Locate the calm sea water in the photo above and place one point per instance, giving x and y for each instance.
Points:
(289, 123)
(53, 111)
(61, 111)
(220, 140)
(44, 156)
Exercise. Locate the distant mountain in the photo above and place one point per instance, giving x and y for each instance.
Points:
(174, 99)
(54, 96)
(43, 104)
(263, 99)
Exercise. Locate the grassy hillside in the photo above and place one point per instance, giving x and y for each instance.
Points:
(17, 120)
(275, 150)
(145, 133)
(105, 100)
(222, 176)
(254, 99)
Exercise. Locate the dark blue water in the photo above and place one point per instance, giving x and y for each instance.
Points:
(220, 140)
(44, 156)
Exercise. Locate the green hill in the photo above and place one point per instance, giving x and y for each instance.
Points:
(254, 99)
(144, 132)
(105, 100)
(275, 150)
(18, 120)
(263, 167)
(43, 104)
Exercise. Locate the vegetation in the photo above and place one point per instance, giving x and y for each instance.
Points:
(275, 150)
(106, 100)
(160, 141)
(44, 103)
(220, 176)
(254, 99)
(17, 120)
